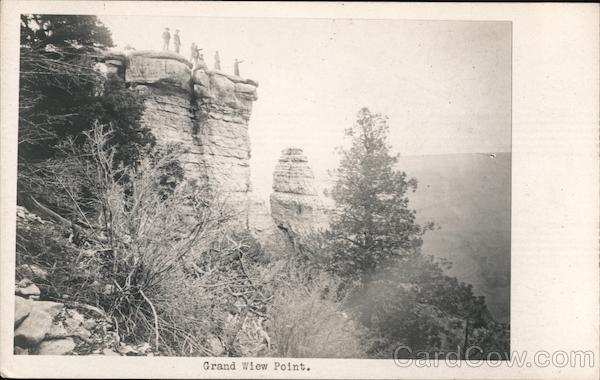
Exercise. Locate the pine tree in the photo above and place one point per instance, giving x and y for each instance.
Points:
(400, 295)
(372, 222)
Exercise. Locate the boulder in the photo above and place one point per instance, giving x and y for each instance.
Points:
(72, 325)
(57, 331)
(22, 309)
(56, 346)
(49, 307)
(33, 329)
(29, 291)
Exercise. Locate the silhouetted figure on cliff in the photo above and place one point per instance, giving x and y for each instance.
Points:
(217, 61)
(166, 36)
(176, 41)
(236, 67)
(201, 64)
(194, 53)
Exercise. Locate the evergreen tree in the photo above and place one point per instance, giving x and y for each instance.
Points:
(64, 31)
(372, 222)
(399, 295)
(61, 95)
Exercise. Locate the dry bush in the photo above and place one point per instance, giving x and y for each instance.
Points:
(178, 263)
(307, 321)
(167, 262)
(163, 258)
(207, 304)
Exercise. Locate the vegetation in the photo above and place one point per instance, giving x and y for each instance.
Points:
(372, 223)
(167, 261)
(62, 94)
(399, 294)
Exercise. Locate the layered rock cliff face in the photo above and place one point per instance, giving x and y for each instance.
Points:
(206, 112)
(224, 104)
(295, 205)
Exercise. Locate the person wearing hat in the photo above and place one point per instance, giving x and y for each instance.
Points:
(166, 36)
(176, 41)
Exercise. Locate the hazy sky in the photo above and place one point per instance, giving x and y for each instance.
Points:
(444, 85)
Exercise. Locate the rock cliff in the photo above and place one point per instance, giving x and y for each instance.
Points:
(223, 106)
(295, 205)
(205, 112)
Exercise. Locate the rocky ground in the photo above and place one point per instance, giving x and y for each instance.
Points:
(45, 327)
(55, 328)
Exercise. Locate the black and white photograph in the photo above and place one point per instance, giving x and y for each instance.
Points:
(192, 222)
(264, 188)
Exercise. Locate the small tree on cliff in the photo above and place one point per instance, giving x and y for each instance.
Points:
(372, 223)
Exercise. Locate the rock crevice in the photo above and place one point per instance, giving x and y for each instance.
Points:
(205, 112)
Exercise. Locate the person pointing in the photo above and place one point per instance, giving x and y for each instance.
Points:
(236, 67)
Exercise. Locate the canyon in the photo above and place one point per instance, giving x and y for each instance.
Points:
(206, 114)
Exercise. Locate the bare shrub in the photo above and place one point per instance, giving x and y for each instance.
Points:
(166, 261)
(161, 256)
(308, 321)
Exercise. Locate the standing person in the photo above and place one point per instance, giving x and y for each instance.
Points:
(166, 36)
(194, 54)
(217, 61)
(176, 41)
(236, 67)
(201, 64)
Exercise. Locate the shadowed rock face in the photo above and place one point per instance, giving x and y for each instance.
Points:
(205, 112)
(261, 225)
(224, 105)
(295, 205)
